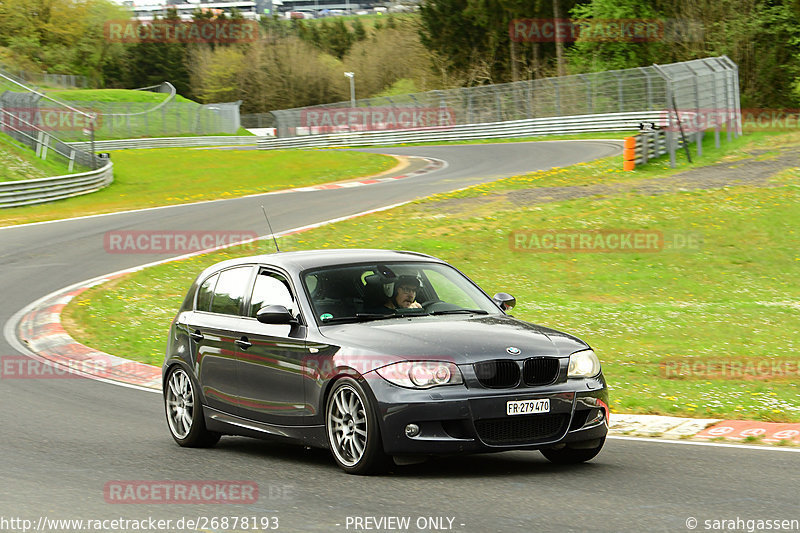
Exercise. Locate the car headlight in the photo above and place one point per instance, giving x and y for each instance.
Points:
(583, 364)
(421, 374)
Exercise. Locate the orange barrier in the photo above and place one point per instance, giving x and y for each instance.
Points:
(629, 154)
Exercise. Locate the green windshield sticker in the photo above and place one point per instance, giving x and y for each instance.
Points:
(325, 316)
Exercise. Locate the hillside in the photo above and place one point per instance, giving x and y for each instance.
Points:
(112, 96)
(18, 162)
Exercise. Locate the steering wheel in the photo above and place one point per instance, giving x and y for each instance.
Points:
(427, 304)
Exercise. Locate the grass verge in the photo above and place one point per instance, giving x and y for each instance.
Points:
(18, 162)
(166, 176)
(701, 331)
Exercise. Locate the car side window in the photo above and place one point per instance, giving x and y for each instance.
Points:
(230, 289)
(206, 292)
(271, 288)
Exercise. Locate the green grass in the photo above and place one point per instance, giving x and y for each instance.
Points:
(18, 162)
(733, 300)
(167, 176)
(122, 117)
(112, 95)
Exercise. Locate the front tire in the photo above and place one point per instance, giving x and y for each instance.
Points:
(185, 412)
(571, 456)
(351, 425)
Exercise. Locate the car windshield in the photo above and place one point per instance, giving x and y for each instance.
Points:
(357, 293)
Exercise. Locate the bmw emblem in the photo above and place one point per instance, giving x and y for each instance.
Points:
(512, 350)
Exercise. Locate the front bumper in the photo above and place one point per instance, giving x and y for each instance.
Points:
(457, 419)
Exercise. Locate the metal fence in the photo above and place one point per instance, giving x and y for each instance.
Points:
(495, 130)
(121, 120)
(672, 90)
(169, 142)
(124, 120)
(44, 143)
(64, 81)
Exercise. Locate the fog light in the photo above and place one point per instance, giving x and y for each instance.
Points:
(412, 430)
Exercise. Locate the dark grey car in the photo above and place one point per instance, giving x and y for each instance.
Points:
(375, 354)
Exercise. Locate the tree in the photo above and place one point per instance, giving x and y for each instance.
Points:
(359, 32)
(151, 63)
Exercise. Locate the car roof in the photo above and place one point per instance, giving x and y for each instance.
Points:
(306, 259)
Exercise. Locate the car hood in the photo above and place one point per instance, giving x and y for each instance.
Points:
(461, 339)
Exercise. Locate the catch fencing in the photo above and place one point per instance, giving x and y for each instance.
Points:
(170, 117)
(45, 144)
(610, 122)
(670, 91)
(45, 79)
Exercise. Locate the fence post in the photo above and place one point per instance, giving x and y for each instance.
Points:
(649, 88)
(45, 146)
(588, 82)
(670, 124)
(726, 87)
(71, 160)
(39, 141)
(498, 103)
(558, 96)
(620, 92)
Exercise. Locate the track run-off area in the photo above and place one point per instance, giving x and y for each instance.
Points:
(72, 447)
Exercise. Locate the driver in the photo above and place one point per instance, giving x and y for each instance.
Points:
(405, 293)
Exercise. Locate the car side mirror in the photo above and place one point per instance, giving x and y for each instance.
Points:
(275, 314)
(504, 301)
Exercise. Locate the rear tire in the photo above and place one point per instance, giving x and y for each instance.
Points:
(351, 425)
(571, 456)
(185, 412)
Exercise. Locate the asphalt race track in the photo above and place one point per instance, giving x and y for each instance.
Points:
(63, 440)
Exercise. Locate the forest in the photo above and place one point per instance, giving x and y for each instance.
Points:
(446, 44)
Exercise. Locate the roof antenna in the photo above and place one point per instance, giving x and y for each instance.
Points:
(270, 229)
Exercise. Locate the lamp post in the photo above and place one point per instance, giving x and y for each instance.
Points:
(352, 88)
(352, 97)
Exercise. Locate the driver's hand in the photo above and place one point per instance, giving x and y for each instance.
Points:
(415, 305)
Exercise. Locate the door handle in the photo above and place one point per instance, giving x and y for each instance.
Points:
(196, 335)
(243, 343)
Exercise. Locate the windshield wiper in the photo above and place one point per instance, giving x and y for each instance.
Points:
(359, 317)
(460, 311)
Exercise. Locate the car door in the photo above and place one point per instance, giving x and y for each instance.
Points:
(214, 330)
(271, 356)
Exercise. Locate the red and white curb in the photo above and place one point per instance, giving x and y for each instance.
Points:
(45, 336)
(433, 164)
(673, 427)
(658, 426)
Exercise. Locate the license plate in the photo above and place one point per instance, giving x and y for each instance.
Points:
(528, 407)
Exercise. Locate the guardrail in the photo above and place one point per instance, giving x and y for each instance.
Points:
(492, 130)
(40, 190)
(169, 142)
(641, 148)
